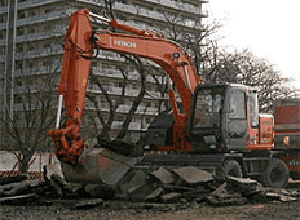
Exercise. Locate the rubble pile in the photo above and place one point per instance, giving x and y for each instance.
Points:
(170, 187)
(18, 189)
(191, 186)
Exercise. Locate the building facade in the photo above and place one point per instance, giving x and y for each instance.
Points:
(31, 33)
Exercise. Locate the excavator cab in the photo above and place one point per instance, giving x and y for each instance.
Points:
(219, 117)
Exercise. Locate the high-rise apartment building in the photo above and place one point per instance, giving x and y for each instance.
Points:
(31, 33)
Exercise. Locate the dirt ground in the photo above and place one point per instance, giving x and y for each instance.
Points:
(272, 210)
(113, 210)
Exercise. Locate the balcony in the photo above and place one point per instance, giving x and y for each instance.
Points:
(33, 3)
(39, 53)
(3, 9)
(124, 7)
(37, 36)
(36, 70)
(181, 6)
(2, 42)
(41, 18)
(2, 58)
(95, 2)
(3, 26)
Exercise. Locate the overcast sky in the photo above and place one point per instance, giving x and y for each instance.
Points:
(270, 28)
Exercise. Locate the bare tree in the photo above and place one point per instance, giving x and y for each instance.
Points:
(243, 67)
(122, 67)
(27, 129)
(106, 125)
(141, 69)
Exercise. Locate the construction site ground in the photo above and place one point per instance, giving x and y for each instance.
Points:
(67, 209)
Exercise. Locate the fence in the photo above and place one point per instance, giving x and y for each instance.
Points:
(10, 164)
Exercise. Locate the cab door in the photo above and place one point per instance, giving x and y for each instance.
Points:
(237, 118)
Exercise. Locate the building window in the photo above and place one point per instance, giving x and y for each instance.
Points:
(17, 99)
(148, 87)
(20, 31)
(18, 81)
(134, 86)
(148, 120)
(3, 3)
(31, 65)
(49, 10)
(21, 15)
(2, 50)
(2, 34)
(2, 18)
(32, 30)
(48, 27)
(19, 48)
(156, 88)
(121, 17)
(119, 84)
(46, 45)
(119, 118)
(104, 67)
(19, 64)
(31, 47)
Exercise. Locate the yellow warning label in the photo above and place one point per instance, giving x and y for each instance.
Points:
(84, 81)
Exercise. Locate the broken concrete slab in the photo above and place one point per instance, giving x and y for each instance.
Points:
(87, 204)
(133, 181)
(214, 184)
(193, 175)
(99, 191)
(163, 175)
(155, 195)
(221, 193)
(197, 192)
(55, 186)
(140, 193)
(14, 189)
(129, 161)
(100, 165)
(171, 197)
(249, 191)
(242, 185)
(73, 187)
(238, 181)
(17, 199)
(295, 193)
(287, 198)
(274, 196)
(171, 188)
(13, 179)
(280, 191)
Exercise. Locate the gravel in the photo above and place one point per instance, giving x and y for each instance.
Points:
(125, 210)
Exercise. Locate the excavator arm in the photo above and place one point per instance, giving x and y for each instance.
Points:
(81, 40)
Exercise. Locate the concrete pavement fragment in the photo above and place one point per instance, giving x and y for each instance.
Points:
(193, 174)
(163, 175)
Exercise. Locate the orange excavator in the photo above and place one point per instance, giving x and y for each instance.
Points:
(220, 131)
